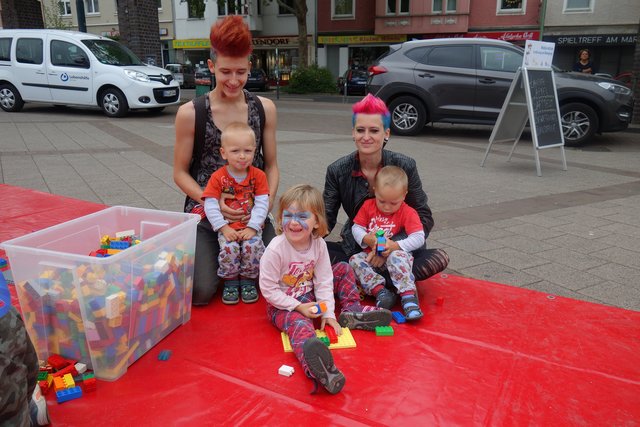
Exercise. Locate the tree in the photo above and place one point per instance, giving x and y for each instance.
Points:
(299, 9)
(51, 12)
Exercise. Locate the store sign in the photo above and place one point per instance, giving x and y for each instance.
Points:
(192, 44)
(277, 41)
(599, 40)
(389, 38)
(509, 36)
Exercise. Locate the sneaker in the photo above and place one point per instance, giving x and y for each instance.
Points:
(231, 292)
(248, 291)
(386, 299)
(321, 365)
(366, 321)
(38, 409)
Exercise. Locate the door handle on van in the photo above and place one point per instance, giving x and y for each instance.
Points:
(40, 72)
(426, 75)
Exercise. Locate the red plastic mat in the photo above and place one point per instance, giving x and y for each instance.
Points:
(489, 355)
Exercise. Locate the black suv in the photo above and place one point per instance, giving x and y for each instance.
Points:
(466, 81)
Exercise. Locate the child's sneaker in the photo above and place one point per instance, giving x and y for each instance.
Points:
(366, 320)
(386, 299)
(248, 291)
(231, 292)
(411, 308)
(321, 365)
(38, 408)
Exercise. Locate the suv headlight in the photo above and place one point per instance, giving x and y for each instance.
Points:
(137, 75)
(615, 88)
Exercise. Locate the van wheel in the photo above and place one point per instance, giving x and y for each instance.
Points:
(408, 116)
(114, 103)
(579, 123)
(10, 99)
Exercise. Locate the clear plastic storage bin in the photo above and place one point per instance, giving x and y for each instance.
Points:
(105, 312)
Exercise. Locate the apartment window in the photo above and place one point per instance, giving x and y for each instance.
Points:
(159, 4)
(451, 5)
(91, 6)
(437, 6)
(577, 5)
(195, 9)
(65, 7)
(230, 7)
(342, 8)
(512, 6)
(393, 5)
(284, 10)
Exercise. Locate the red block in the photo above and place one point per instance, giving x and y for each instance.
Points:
(58, 362)
(331, 334)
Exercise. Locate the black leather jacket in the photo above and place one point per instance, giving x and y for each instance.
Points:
(343, 189)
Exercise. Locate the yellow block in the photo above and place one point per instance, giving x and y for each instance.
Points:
(344, 341)
(68, 381)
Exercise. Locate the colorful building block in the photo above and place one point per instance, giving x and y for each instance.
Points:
(384, 331)
(286, 370)
(164, 355)
(68, 394)
(381, 242)
(331, 334)
(320, 307)
(344, 341)
(398, 317)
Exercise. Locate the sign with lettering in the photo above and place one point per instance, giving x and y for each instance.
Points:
(538, 54)
(593, 40)
(532, 98)
(363, 39)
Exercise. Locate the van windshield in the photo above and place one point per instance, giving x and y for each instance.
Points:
(112, 53)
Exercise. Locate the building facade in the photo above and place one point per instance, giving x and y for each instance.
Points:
(608, 30)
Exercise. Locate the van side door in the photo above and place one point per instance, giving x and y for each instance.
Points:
(69, 73)
(30, 70)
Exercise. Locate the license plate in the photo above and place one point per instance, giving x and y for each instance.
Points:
(171, 92)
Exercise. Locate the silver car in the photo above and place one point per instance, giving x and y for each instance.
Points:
(466, 81)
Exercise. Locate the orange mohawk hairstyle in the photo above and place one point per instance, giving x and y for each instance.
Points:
(231, 37)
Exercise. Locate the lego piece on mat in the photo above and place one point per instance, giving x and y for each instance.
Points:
(331, 334)
(68, 394)
(344, 341)
(384, 331)
(164, 355)
(398, 317)
(286, 370)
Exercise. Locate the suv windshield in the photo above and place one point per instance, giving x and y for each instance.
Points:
(112, 53)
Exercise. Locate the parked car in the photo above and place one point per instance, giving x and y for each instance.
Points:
(356, 80)
(74, 68)
(183, 73)
(257, 80)
(467, 80)
(203, 77)
(625, 78)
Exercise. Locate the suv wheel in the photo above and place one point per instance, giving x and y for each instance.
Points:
(113, 102)
(408, 116)
(579, 123)
(10, 99)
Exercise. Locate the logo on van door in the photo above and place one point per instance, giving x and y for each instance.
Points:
(64, 77)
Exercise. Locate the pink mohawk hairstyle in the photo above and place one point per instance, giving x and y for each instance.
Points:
(371, 104)
(231, 37)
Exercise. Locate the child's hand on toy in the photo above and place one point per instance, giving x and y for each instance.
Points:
(308, 309)
(333, 323)
(229, 233)
(374, 260)
(247, 233)
(390, 247)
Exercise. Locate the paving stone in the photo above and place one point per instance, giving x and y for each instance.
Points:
(617, 273)
(615, 294)
(524, 244)
(624, 241)
(578, 244)
(459, 259)
(564, 276)
(580, 230)
(485, 231)
(535, 231)
(573, 259)
(505, 223)
(500, 273)
(619, 228)
(555, 289)
(513, 258)
(470, 243)
(545, 220)
(620, 256)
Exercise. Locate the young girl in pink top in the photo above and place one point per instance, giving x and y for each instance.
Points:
(296, 274)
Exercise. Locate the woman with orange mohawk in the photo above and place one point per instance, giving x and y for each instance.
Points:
(197, 153)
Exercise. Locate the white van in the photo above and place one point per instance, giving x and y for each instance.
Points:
(74, 68)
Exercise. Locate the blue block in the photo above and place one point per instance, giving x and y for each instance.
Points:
(164, 355)
(398, 317)
(68, 394)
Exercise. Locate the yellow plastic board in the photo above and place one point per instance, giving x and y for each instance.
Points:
(344, 341)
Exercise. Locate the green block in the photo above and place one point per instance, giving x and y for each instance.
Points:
(325, 340)
(384, 331)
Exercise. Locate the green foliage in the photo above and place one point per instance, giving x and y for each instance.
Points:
(312, 79)
(51, 12)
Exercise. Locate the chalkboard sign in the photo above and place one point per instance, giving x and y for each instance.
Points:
(545, 114)
(531, 98)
